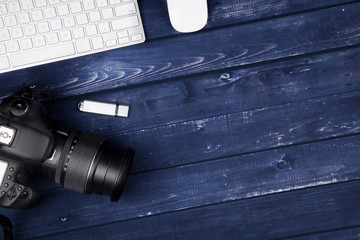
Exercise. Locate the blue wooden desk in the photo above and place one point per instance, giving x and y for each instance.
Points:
(248, 129)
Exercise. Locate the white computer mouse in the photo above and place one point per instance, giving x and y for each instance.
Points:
(188, 15)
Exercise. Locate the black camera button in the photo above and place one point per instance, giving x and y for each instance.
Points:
(6, 185)
(11, 169)
(3, 193)
(8, 177)
(24, 195)
(19, 189)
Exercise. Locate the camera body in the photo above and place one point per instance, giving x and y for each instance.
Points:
(31, 142)
(26, 139)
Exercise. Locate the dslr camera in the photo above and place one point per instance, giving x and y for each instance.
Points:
(32, 143)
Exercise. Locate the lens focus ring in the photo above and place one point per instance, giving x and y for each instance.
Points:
(80, 161)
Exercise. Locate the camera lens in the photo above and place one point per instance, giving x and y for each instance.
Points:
(88, 164)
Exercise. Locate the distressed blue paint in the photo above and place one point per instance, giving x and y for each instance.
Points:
(246, 130)
(204, 51)
(201, 184)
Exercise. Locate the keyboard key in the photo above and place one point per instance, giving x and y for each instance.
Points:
(94, 16)
(83, 46)
(91, 30)
(101, 3)
(88, 5)
(2, 49)
(43, 27)
(37, 15)
(27, 4)
(137, 37)
(125, 23)
(40, 3)
(104, 27)
(56, 25)
(69, 22)
(3, 9)
(63, 10)
(4, 63)
(122, 34)
(65, 36)
(39, 41)
(52, 38)
(42, 54)
(111, 43)
(50, 12)
(114, 2)
(124, 40)
(2, 25)
(10, 21)
(52, 2)
(78, 33)
(30, 30)
(97, 43)
(75, 7)
(13, 46)
(24, 18)
(17, 33)
(26, 44)
(107, 13)
(13, 7)
(125, 9)
(4, 35)
(82, 19)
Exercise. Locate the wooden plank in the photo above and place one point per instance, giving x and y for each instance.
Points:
(343, 234)
(244, 132)
(163, 59)
(218, 93)
(270, 217)
(208, 183)
(223, 13)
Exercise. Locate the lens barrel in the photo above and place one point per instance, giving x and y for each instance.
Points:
(88, 164)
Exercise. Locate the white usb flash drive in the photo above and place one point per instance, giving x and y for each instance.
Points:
(103, 108)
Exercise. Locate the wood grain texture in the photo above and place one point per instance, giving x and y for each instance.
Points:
(218, 93)
(197, 185)
(249, 129)
(269, 217)
(240, 133)
(224, 48)
(244, 132)
(343, 234)
(210, 95)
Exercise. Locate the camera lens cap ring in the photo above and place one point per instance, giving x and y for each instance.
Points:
(19, 107)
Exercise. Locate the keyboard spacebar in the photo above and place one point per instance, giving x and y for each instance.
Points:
(42, 54)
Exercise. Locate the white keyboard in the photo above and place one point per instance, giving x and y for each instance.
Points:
(35, 32)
